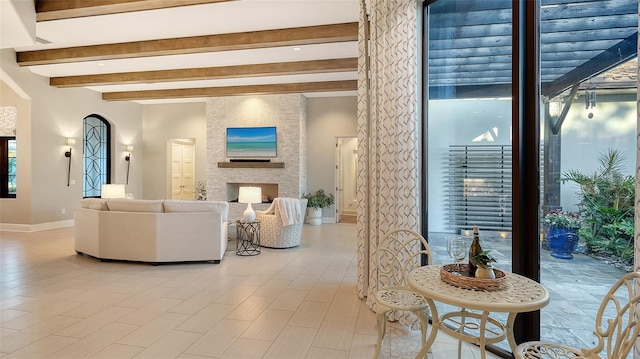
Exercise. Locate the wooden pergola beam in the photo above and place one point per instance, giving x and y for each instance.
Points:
(298, 36)
(348, 85)
(57, 10)
(210, 73)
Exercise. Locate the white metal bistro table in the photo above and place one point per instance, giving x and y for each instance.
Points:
(519, 294)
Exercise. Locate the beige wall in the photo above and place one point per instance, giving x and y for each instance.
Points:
(56, 114)
(161, 123)
(327, 118)
(49, 114)
(18, 210)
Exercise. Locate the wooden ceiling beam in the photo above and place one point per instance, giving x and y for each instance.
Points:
(349, 85)
(47, 10)
(210, 73)
(298, 36)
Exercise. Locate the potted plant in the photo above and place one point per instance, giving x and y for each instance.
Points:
(316, 202)
(607, 206)
(201, 191)
(562, 232)
(483, 260)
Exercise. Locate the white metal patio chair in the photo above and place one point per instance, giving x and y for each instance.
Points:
(617, 327)
(398, 253)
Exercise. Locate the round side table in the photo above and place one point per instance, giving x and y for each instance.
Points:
(247, 238)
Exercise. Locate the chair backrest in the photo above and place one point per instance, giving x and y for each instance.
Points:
(400, 251)
(276, 209)
(618, 319)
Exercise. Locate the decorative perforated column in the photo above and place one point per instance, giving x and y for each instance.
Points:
(388, 131)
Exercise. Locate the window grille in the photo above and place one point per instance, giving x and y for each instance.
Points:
(95, 157)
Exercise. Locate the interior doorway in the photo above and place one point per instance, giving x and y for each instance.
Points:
(346, 175)
(182, 168)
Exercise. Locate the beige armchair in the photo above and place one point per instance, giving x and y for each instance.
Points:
(281, 224)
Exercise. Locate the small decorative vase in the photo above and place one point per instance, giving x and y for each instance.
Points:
(562, 241)
(485, 273)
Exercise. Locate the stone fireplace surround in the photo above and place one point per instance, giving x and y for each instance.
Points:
(288, 114)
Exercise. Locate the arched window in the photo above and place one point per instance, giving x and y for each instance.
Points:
(8, 160)
(96, 157)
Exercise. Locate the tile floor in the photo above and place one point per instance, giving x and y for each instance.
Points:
(284, 303)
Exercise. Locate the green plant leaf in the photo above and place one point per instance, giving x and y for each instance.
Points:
(319, 199)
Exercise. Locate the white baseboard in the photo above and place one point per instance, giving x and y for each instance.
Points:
(12, 227)
(324, 220)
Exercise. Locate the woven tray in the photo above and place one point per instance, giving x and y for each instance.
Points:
(449, 274)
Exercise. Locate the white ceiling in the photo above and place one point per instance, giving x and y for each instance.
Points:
(207, 19)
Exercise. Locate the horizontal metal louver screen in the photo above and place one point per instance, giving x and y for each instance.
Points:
(478, 187)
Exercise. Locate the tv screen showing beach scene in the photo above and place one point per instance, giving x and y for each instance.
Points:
(251, 142)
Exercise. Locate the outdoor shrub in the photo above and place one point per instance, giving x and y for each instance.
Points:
(606, 205)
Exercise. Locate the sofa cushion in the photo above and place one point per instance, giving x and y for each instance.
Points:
(176, 206)
(135, 205)
(99, 204)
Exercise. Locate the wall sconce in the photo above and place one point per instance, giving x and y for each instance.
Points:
(70, 141)
(128, 149)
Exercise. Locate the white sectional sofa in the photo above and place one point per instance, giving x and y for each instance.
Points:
(153, 231)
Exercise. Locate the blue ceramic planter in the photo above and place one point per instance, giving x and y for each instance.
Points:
(562, 241)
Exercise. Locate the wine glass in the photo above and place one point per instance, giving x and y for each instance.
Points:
(457, 250)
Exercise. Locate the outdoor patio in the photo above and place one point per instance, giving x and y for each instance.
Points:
(576, 287)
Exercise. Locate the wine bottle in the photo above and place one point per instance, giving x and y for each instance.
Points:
(474, 250)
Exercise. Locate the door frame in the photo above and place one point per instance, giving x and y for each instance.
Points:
(339, 174)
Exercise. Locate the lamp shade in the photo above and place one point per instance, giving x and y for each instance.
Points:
(113, 191)
(128, 148)
(70, 141)
(250, 195)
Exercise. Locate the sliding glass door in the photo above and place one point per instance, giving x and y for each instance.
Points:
(514, 106)
(468, 148)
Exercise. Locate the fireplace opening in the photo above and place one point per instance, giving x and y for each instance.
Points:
(269, 191)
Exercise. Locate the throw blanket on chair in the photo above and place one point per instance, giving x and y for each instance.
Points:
(290, 210)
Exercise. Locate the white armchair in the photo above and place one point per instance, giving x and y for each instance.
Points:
(281, 224)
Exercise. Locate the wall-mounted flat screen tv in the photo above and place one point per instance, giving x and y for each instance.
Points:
(251, 142)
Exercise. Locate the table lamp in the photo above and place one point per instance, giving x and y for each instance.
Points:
(250, 195)
(112, 191)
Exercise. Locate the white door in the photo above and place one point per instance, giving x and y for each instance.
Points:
(346, 174)
(182, 170)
